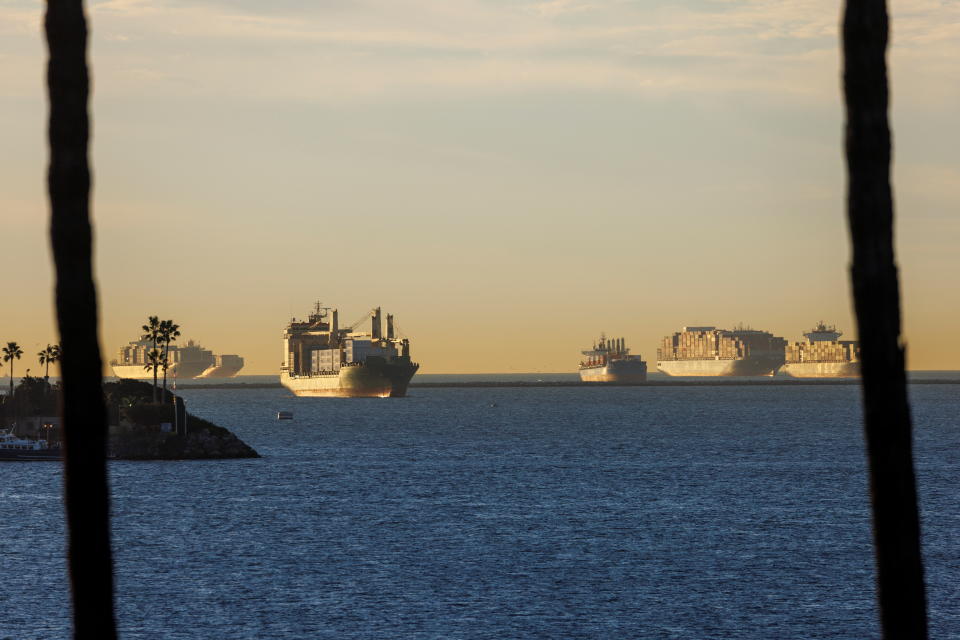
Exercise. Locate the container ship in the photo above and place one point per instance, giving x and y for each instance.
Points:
(610, 361)
(823, 355)
(322, 359)
(186, 361)
(225, 366)
(708, 351)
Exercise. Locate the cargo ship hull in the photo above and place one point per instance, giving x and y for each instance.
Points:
(621, 371)
(705, 351)
(821, 370)
(180, 370)
(720, 367)
(372, 379)
(30, 455)
(220, 372)
(822, 355)
(223, 367)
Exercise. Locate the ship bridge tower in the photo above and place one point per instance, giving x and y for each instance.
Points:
(823, 333)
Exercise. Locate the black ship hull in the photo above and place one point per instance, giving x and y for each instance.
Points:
(30, 455)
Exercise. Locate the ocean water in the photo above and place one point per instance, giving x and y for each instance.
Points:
(688, 513)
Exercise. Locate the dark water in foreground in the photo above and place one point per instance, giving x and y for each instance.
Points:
(501, 513)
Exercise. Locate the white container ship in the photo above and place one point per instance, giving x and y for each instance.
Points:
(823, 355)
(186, 361)
(708, 351)
(320, 359)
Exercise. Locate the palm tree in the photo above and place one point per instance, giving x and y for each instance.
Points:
(11, 352)
(46, 357)
(169, 332)
(151, 332)
(42, 357)
(876, 293)
(86, 491)
(154, 361)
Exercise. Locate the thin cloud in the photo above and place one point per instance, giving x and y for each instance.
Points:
(358, 49)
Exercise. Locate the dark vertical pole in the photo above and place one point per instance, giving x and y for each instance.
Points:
(84, 414)
(180, 416)
(896, 525)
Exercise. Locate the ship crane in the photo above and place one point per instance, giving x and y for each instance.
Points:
(362, 319)
(399, 332)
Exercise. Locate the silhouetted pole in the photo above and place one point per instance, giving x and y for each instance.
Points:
(896, 525)
(84, 414)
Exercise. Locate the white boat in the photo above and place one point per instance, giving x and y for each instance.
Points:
(15, 449)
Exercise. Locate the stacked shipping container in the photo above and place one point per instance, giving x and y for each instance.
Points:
(840, 351)
(699, 343)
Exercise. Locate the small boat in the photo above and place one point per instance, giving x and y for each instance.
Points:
(284, 415)
(17, 449)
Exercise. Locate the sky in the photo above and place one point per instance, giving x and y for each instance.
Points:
(509, 178)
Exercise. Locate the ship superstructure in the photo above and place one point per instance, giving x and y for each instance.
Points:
(708, 351)
(610, 361)
(823, 355)
(322, 359)
(186, 361)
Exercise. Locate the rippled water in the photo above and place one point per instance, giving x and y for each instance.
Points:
(689, 513)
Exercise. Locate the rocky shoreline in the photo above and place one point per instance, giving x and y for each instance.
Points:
(141, 429)
(203, 441)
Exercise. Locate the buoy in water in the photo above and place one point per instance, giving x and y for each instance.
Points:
(284, 415)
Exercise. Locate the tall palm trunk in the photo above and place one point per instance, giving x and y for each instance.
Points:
(155, 365)
(84, 414)
(166, 355)
(896, 526)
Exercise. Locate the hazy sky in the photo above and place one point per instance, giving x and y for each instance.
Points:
(510, 178)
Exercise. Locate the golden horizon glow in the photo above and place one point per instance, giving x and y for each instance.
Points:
(508, 179)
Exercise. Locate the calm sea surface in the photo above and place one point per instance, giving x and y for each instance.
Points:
(691, 513)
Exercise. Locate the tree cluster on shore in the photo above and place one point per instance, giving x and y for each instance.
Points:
(47, 356)
(160, 333)
(32, 397)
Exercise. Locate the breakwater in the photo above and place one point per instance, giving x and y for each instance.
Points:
(137, 428)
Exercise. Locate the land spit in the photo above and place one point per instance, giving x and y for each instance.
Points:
(143, 430)
(203, 441)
